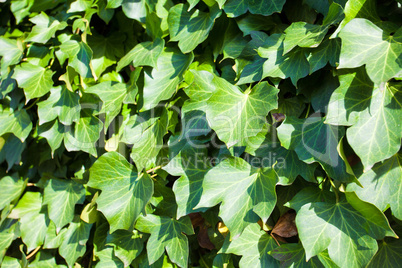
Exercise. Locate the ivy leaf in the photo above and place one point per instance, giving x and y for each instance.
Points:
(107, 258)
(12, 188)
(303, 34)
(16, 122)
(327, 51)
(253, 245)
(53, 132)
(267, 148)
(293, 255)
(188, 188)
(360, 40)
(12, 151)
(74, 241)
(143, 54)
(62, 103)
(86, 133)
(381, 185)
(166, 233)
(80, 55)
(351, 98)
(162, 82)
(127, 245)
(44, 29)
(190, 28)
(377, 134)
(387, 254)
(349, 245)
(245, 193)
(124, 193)
(112, 95)
(35, 80)
(43, 260)
(61, 196)
(234, 115)
(11, 52)
(28, 211)
(315, 141)
(149, 142)
(235, 8)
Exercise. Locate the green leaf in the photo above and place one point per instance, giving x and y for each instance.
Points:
(327, 51)
(191, 163)
(127, 245)
(377, 136)
(251, 23)
(348, 228)
(33, 222)
(314, 141)
(293, 255)
(162, 82)
(361, 39)
(303, 34)
(12, 151)
(166, 233)
(360, 9)
(143, 54)
(245, 193)
(74, 241)
(35, 80)
(12, 188)
(235, 8)
(190, 28)
(235, 115)
(112, 95)
(62, 103)
(45, 260)
(124, 193)
(44, 29)
(381, 185)
(351, 98)
(114, 3)
(80, 55)
(61, 196)
(11, 52)
(53, 132)
(253, 245)
(388, 254)
(107, 259)
(16, 122)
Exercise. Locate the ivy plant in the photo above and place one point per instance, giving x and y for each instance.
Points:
(200, 133)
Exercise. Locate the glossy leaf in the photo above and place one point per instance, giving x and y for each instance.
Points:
(236, 8)
(17, 122)
(12, 188)
(44, 29)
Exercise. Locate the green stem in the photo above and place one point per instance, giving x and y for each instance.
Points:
(308, 110)
(335, 190)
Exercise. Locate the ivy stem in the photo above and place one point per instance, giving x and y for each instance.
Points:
(335, 190)
(153, 169)
(308, 110)
(31, 105)
(33, 253)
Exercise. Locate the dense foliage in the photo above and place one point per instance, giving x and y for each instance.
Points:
(212, 133)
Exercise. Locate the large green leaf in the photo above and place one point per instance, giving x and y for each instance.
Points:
(33, 221)
(315, 141)
(235, 115)
(253, 245)
(16, 122)
(245, 193)
(53, 132)
(327, 51)
(62, 103)
(190, 28)
(11, 52)
(61, 196)
(381, 185)
(44, 29)
(12, 188)
(162, 82)
(143, 54)
(388, 254)
(361, 39)
(124, 192)
(35, 80)
(166, 233)
(303, 34)
(347, 228)
(234, 8)
(74, 241)
(377, 134)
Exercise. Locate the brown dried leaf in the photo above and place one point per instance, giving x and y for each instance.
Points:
(286, 226)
